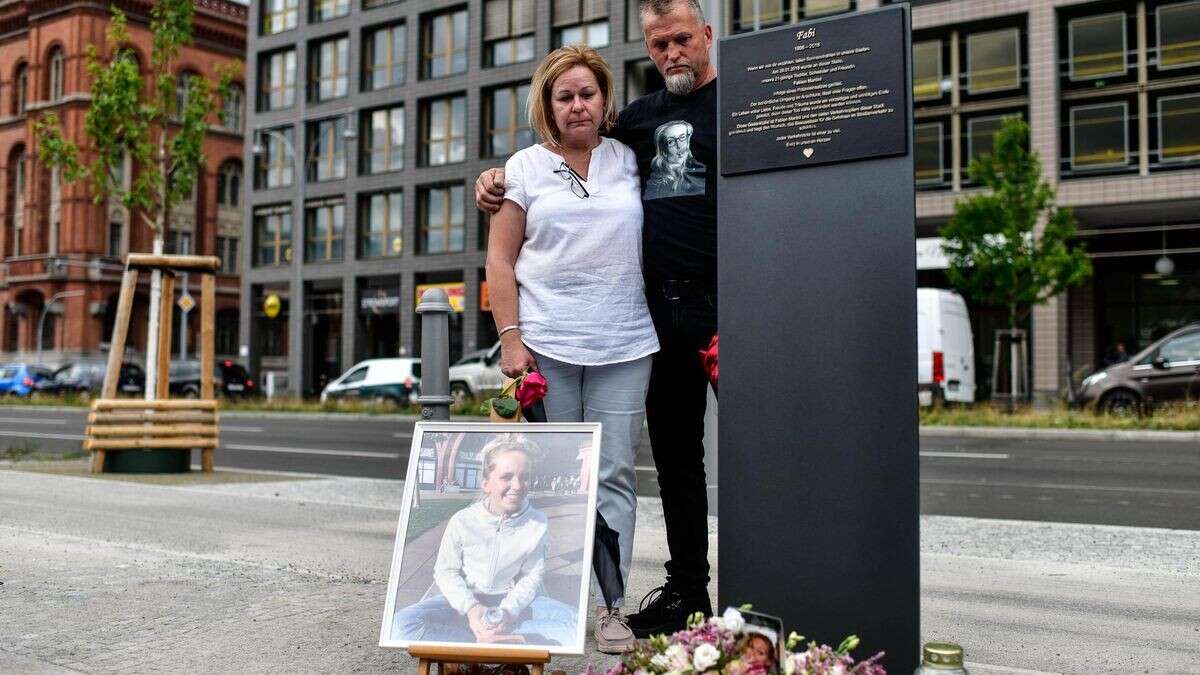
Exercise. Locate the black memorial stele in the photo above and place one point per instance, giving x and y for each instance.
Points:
(817, 275)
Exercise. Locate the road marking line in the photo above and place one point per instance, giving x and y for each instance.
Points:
(311, 451)
(249, 430)
(35, 434)
(402, 435)
(31, 420)
(965, 455)
(1059, 486)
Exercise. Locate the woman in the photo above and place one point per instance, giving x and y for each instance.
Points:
(565, 275)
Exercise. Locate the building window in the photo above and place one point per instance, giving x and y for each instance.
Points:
(928, 159)
(1179, 35)
(57, 74)
(814, 8)
(22, 89)
(442, 229)
(381, 232)
(227, 251)
(443, 131)
(383, 140)
(927, 70)
(279, 15)
(580, 22)
(324, 10)
(183, 90)
(372, 4)
(277, 80)
(273, 166)
(994, 61)
(115, 230)
(1097, 46)
(231, 111)
(1179, 128)
(641, 78)
(633, 21)
(327, 149)
(324, 225)
(444, 44)
(273, 235)
(1100, 136)
(507, 125)
(749, 15)
(329, 69)
(179, 241)
(229, 184)
(17, 162)
(508, 27)
(981, 133)
(383, 57)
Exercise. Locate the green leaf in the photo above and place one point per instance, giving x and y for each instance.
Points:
(505, 406)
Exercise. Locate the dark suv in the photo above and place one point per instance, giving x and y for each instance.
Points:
(229, 379)
(86, 379)
(1166, 371)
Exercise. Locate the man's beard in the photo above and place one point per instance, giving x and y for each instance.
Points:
(681, 84)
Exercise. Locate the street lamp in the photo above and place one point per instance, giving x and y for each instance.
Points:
(46, 310)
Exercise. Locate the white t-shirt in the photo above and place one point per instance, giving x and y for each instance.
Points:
(581, 297)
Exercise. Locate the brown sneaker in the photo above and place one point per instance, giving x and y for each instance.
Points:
(613, 635)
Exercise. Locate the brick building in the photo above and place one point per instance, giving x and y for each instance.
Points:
(54, 239)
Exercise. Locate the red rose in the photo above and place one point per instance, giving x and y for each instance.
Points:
(531, 389)
(709, 358)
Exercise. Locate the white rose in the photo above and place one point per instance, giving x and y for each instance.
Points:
(733, 620)
(678, 656)
(705, 657)
(660, 662)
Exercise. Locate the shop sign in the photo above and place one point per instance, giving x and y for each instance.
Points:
(455, 290)
(272, 305)
(485, 297)
(379, 303)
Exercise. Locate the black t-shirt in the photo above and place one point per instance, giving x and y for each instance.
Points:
(675, 139)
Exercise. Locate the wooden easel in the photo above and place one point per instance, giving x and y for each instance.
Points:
(426, 657)
(129, 424)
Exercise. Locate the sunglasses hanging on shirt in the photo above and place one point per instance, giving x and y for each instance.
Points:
(568, 174)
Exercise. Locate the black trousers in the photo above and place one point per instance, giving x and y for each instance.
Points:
(686, 319)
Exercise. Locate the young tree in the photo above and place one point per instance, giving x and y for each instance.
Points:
(996, 256)
(163, 140)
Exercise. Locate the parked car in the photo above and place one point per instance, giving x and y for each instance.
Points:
(945, 348)
(229, 379)
(1164, 372)
(19, 379)
(476, 374)
(86, 379)
(381, 380)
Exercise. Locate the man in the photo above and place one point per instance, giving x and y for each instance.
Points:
(674, 135)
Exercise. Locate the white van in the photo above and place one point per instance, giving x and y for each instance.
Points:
(382, 380)
(945, 350)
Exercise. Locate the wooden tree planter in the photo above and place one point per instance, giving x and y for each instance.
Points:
(162, 424)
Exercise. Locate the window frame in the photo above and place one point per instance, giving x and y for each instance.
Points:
(1017, 64)
(1158, 43)
(428, 56)
(234, 103)
(941, 76)
(394, 62)
(314, 13)
(281, 244)
(335, 233)
(264, 27)
(967, 158)
(511, 36)
(427, 141)
(448, 224)
(1124, 131)
(520, 121)
(317, 75)
(1071, 47)
(57, 74)
(21, 85)
(368, 149)
(388, 234)
(329, 132)
(267, 87)
(584, 21)
(282, 162)
(941, 144)
(1161, 138)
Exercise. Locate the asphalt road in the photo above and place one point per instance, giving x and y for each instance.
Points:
(1141, 484)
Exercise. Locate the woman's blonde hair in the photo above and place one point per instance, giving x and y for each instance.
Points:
(559, 61)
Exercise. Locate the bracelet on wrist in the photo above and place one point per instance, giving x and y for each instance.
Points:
(507, 329)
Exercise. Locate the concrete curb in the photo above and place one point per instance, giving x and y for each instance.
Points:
(1022, 433)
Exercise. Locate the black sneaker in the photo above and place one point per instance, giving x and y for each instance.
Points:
(666, 609)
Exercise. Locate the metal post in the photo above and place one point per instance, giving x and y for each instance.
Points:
(46, 310)
(435, 355)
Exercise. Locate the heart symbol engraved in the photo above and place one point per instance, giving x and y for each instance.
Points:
(808, 152)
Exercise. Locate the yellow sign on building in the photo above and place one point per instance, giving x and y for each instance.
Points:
(272, 305)
(455, 290)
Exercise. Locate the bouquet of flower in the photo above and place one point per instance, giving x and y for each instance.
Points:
(718, 645)
(517, 393)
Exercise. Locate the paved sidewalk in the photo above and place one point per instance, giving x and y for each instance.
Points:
(109, 576)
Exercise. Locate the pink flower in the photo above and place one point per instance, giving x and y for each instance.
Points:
(709, 358)
(531, 389)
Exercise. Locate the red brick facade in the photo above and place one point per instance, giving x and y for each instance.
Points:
(59, 240)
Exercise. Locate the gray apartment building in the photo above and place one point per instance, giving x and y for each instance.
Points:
(369, 120)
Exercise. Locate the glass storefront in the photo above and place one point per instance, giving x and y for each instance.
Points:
(323, 333)
(378, 318)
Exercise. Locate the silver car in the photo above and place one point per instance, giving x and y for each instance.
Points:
(476, 374)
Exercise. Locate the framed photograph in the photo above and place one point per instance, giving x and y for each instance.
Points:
(494, 543)
(764, 640)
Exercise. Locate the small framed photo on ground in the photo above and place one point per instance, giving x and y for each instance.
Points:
(764, 640)
(494, 543)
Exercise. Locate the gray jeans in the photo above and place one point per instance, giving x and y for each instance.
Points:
(615, 396)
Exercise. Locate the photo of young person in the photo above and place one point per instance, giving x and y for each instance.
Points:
(499, 561)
